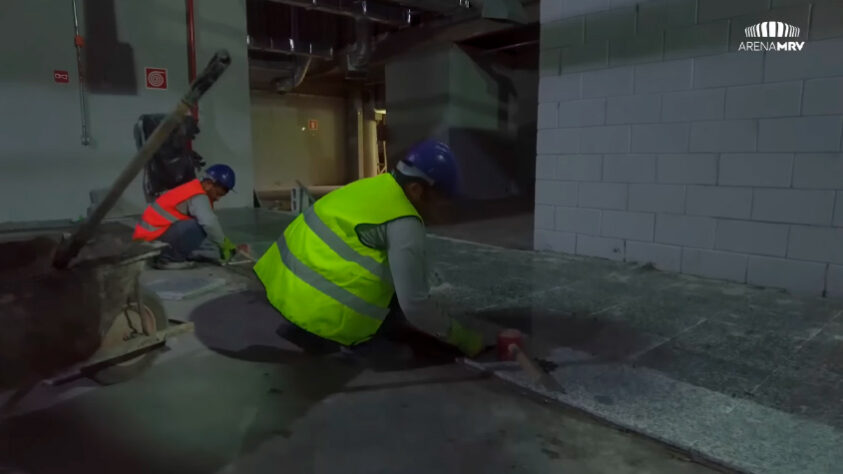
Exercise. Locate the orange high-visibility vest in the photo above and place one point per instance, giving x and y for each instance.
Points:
(161, 214)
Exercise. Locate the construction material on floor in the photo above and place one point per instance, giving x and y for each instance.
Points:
(179, 287)
(243, 256)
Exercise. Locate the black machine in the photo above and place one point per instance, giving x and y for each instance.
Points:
(174, 163)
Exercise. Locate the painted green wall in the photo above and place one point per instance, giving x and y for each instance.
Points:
(47, 173)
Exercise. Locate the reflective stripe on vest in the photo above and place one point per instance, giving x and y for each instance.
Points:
(319, 274)
(326, 286)
(342, 249)
(148, 227)
(162, 213)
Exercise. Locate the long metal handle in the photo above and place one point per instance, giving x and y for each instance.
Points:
(78, 41)
(70, 247)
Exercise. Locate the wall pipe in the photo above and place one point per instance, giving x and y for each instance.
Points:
(79, 41)
(191, 49)
(191, 58)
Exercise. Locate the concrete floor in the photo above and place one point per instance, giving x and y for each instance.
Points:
(746, 377)
(234, 397)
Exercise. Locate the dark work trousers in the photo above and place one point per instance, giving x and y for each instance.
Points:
(392, 328)
(395, 332)
(183, 238)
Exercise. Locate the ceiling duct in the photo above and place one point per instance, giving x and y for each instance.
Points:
(285, 84)
(387, 14)
(357, 58)
(438, 6)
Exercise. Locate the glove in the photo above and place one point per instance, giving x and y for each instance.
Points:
(227, 250)
(468, 341)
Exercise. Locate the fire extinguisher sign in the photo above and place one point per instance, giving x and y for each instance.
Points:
(156, 78)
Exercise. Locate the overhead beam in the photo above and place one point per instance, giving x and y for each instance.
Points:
(438, 6)
(461, 26)
(293, 48)
(393, 15)
(458, 27)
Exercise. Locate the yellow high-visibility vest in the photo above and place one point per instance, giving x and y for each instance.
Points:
(319, 274)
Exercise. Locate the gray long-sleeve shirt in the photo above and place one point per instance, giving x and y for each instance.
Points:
(199, 207)
(404, 241)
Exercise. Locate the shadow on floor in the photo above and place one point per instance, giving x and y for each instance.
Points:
(246, 327)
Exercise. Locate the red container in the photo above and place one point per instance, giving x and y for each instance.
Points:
(506, 338)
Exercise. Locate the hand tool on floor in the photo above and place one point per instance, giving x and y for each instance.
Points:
(70, 247)
(511, 347)
(244, 252)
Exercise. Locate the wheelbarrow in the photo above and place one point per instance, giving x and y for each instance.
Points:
(92, 319)
(71, 304)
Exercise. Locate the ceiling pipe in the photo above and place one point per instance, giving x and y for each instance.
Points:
(79, 43)
(191, 57)
(291, 47)
(379, 13)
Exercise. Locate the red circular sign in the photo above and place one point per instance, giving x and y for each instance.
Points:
(156, 78)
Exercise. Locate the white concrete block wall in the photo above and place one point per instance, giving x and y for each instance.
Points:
(660, 142)
(666, 198)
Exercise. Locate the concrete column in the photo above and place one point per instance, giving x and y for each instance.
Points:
(355, 149)
(370, 140)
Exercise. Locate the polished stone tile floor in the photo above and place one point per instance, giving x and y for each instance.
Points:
(765, 360)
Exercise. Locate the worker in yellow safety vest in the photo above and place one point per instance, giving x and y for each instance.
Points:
(340, 267)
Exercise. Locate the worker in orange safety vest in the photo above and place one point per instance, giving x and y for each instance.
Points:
(184, 218)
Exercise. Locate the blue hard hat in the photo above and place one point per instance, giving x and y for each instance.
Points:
(222, 175)
(434, 162)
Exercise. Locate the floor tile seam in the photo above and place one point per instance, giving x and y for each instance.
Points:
(644, 298)
(667, 340)
(817, 333)
(512, 301)
(778, 370)
(791, 358)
